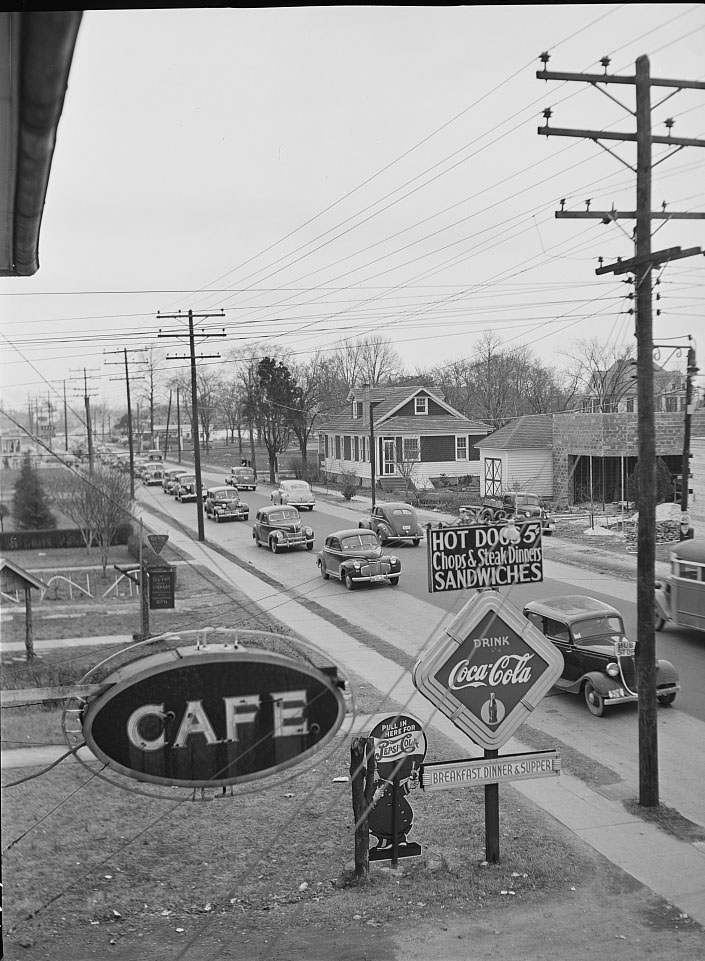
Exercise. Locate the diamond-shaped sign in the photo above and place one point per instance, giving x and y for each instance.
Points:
(488, 670)
(157, 542)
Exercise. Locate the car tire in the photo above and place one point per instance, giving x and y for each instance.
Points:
(416, 541)
(309, 546)
(274, 546)
(245, 517)
(349, 582)
(255, 538)
(394, 581)
(659, 622)
(594, 700)
(324, 573)
(217, 518)
(665, 700)
(383, 535)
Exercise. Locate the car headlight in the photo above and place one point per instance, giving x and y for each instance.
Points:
(278, 535)
(612, 669)
(309, 532)
(357, 565)
(393, 559)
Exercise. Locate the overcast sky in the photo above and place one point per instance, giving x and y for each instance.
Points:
(327, 173)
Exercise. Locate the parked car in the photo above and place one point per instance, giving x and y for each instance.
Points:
(243, 478)
(170, 477)
(355, 557)
(279, 528)
(297, 493)
(153, 476)
(185, 488)
(599, 660)
(393, 521)
(224, 504)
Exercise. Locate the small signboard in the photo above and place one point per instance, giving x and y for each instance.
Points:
(488, 670)
(484, 555)
(191, 718)
(157, 542)
(441, 775)
(400, 747)
(162, 584)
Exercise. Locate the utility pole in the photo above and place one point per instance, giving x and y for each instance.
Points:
(178, 422)
(66, 423)
(191, 356)
(641, 265)
(130, 441)
(691, 371)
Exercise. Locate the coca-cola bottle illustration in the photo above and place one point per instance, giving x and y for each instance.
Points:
(492, 713)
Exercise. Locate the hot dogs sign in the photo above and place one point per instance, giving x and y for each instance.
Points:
(488, 670)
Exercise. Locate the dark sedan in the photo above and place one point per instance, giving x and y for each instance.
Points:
(599, 660)
(394, 522)
(281, 528)
(355, 557)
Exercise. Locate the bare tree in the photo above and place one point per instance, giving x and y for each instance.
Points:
(604, 374)
(97, 503)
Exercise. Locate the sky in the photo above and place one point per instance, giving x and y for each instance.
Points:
(324, 174)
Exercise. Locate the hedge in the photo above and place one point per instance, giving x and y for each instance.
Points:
(46, 540)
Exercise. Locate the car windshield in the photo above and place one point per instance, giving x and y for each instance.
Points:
(402, 512)
(527, 500)
(224, 494)
(283, 516)
(608, 625)
(187, 479)
(359, 542)
(295, 485)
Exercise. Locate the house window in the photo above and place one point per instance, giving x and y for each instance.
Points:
(363, 458)
(325, 442)
(493, 476)
(337, 446)
(630, 405)
(421, 405)
(356, 448)
(357, 409)
(461, 447)
(411, 449)
(347, 445)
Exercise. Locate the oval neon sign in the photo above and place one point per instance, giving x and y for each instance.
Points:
(210, 719)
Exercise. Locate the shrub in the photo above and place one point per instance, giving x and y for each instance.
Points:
(349, 484)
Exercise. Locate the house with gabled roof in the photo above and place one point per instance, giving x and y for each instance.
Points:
(518, 456)
(417, 436)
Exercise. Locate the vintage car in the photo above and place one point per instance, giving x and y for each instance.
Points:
(184, 488)
(169, 478)
(279, 527)
(224, 504)
(393, 522)
(355, 557)
(243, 478)
(297, 493)
(680, 598)
(153, 476)
(599, 660)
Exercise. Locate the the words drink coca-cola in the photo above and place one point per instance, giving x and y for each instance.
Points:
(509, 669)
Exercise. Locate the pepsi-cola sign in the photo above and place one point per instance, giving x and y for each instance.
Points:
(488, 670)
(211, 718)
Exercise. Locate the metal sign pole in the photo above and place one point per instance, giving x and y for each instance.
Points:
(491, 817)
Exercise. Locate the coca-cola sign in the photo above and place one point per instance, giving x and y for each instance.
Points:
(211, 718)
(488, 670)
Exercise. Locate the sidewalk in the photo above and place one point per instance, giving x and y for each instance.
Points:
(671, 868)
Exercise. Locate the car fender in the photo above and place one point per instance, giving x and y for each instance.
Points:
(602, 683)
(665, 672)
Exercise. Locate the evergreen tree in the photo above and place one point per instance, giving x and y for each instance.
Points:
(30, 507)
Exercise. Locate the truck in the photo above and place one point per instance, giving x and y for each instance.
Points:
(511, 505)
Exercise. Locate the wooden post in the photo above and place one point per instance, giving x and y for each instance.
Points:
(29, 630)
(362, 785)
(491, 818)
